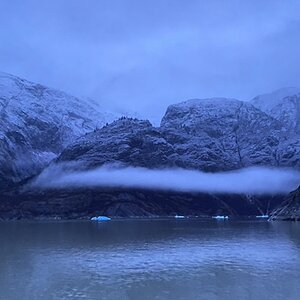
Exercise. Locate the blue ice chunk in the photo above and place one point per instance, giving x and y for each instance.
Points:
(220, 217)
(263, 217)
(179, 217)
(100, 218)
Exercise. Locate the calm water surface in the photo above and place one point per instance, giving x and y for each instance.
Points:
(149, 259)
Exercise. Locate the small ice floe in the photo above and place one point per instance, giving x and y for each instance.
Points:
(100, 218)
(220, 217)
(263, 217)
(179, 217)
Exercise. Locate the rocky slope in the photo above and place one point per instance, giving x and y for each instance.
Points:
(289, 209)
(126, 142)
(37, 123)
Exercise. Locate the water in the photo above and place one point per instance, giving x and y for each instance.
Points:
(149, 259)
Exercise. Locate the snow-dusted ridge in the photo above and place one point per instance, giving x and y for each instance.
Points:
(213, 135)
(37, 123)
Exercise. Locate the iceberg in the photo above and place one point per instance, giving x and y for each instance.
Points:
(262, 217)
(100, 218)
(179, 217)
(220, 217)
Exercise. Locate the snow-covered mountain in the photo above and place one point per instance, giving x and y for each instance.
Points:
(283, 105)
(210, 134)
(37, 123)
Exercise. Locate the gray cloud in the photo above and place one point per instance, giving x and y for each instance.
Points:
(144, 55)
(256, 180)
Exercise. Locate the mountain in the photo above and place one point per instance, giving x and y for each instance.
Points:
(283, 105)
(217, 134)
(37, 123)
(211, 135)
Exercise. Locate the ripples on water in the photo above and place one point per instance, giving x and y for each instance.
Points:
(149, 259)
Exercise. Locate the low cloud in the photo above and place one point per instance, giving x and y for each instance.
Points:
(255, 180)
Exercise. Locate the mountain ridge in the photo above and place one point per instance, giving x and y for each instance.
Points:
(37, 123)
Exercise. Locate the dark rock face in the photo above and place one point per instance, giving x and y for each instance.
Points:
(85, 203)
(128, 142)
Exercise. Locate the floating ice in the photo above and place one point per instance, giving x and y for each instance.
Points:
(221, 217)
(263, 217)
(100, 218)
(179, 217)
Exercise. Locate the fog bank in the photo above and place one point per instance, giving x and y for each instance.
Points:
(255, 180)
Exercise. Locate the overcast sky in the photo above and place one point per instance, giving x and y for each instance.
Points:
(143, 55)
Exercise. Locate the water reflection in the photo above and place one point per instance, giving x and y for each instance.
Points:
(157, 259)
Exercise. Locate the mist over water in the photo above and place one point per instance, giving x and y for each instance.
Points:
(254, 180)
